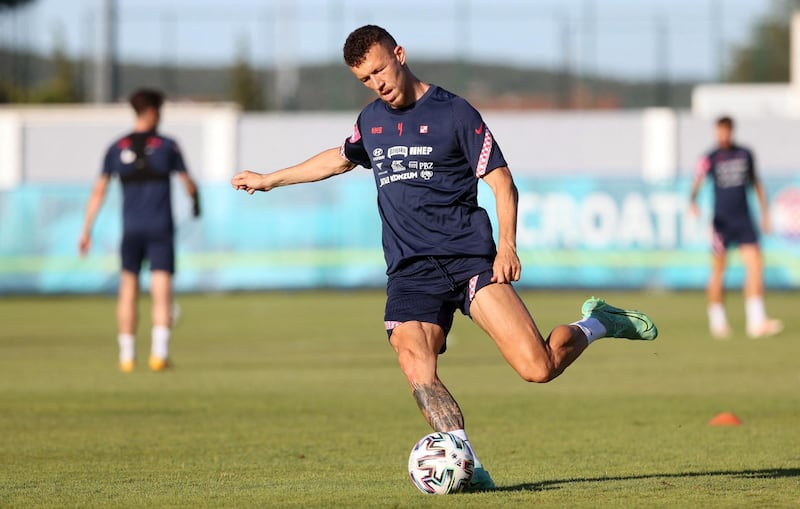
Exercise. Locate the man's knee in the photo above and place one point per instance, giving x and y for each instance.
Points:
(416, 363)
(539, 374)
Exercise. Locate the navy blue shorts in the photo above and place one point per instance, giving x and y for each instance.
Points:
(157, 248)
(733, 232)
(432, 289)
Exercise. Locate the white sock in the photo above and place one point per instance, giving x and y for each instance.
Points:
(716, 316)
(160, 345)
(127, 347)
(755, 312)
(460, 433)
(592, 328)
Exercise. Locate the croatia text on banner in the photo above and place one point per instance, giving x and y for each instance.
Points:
(572, 232)
(630, 234)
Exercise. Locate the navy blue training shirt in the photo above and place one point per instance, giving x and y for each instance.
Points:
(143, 162)
(733, 170)
(427, 159)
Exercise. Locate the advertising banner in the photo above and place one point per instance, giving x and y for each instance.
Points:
(572, 233)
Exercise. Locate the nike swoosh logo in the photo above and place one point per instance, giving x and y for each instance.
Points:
(479, 130)
(648, 325)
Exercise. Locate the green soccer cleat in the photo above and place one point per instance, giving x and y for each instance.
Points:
(620, 323)
(481, 481)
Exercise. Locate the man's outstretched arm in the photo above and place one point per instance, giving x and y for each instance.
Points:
(323, 165)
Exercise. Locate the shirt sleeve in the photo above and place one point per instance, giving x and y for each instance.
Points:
(703, 166)
(108, 160)
(353, 148)
(480, 148)
(177, 158)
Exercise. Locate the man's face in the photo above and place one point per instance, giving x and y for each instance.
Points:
(383, 71)
(724, 135)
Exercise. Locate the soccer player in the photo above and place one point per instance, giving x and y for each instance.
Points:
(427, 148)
(143, 160)
(733, 171)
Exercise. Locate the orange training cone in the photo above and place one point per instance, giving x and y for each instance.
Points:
(725, 419)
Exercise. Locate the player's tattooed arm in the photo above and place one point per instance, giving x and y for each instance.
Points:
(438, 406)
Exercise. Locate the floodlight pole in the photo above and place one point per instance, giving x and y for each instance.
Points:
(106, 79)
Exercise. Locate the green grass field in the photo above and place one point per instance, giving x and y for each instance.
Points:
(295, 400)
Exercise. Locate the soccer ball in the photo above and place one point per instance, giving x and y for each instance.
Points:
(440, 463)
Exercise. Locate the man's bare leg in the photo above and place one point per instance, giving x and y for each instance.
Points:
(127, 302)
(758, 324)
(498, 310)
(715, 291)
(161, 291)
(417, 345)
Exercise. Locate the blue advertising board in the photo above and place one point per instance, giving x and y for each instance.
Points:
(572, 233)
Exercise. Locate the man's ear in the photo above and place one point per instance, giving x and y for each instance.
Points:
(400, 54)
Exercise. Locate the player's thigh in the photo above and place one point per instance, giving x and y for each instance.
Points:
(751, 255)
(718, 261)
(417, 345)
(500, 312)
(128, 286)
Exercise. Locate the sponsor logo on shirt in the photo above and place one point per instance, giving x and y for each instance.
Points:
(395, 177)
(127, 156)
(423, 129)
(397, 165)
(397, 150)
(419, 151)
(420, 165)
(731, 173)
(377, 130)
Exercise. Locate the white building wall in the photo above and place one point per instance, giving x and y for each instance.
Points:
(45, 144)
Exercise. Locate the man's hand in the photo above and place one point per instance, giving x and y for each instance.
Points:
(196, 204)
(85, 243)
(507, 267)
(249, 181)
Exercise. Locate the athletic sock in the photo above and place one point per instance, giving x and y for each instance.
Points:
(127, 347)
(460, 433)
(592, 328)
(717, 320)
(160, 345)
(755, 312)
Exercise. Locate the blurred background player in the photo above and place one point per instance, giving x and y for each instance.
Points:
(427, 149)
(733, 171)
(143, 160)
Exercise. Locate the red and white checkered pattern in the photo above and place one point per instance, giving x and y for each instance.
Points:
(483, 159)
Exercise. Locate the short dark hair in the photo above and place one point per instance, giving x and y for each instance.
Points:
(725, 121)
(360, 41)
(145, 98)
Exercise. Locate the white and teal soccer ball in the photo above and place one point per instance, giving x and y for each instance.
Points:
(440, 463)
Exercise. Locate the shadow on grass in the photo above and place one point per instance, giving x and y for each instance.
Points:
(555, 484)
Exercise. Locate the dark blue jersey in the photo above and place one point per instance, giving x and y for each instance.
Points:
(733, 172)
(427, 159)
(143, 162)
